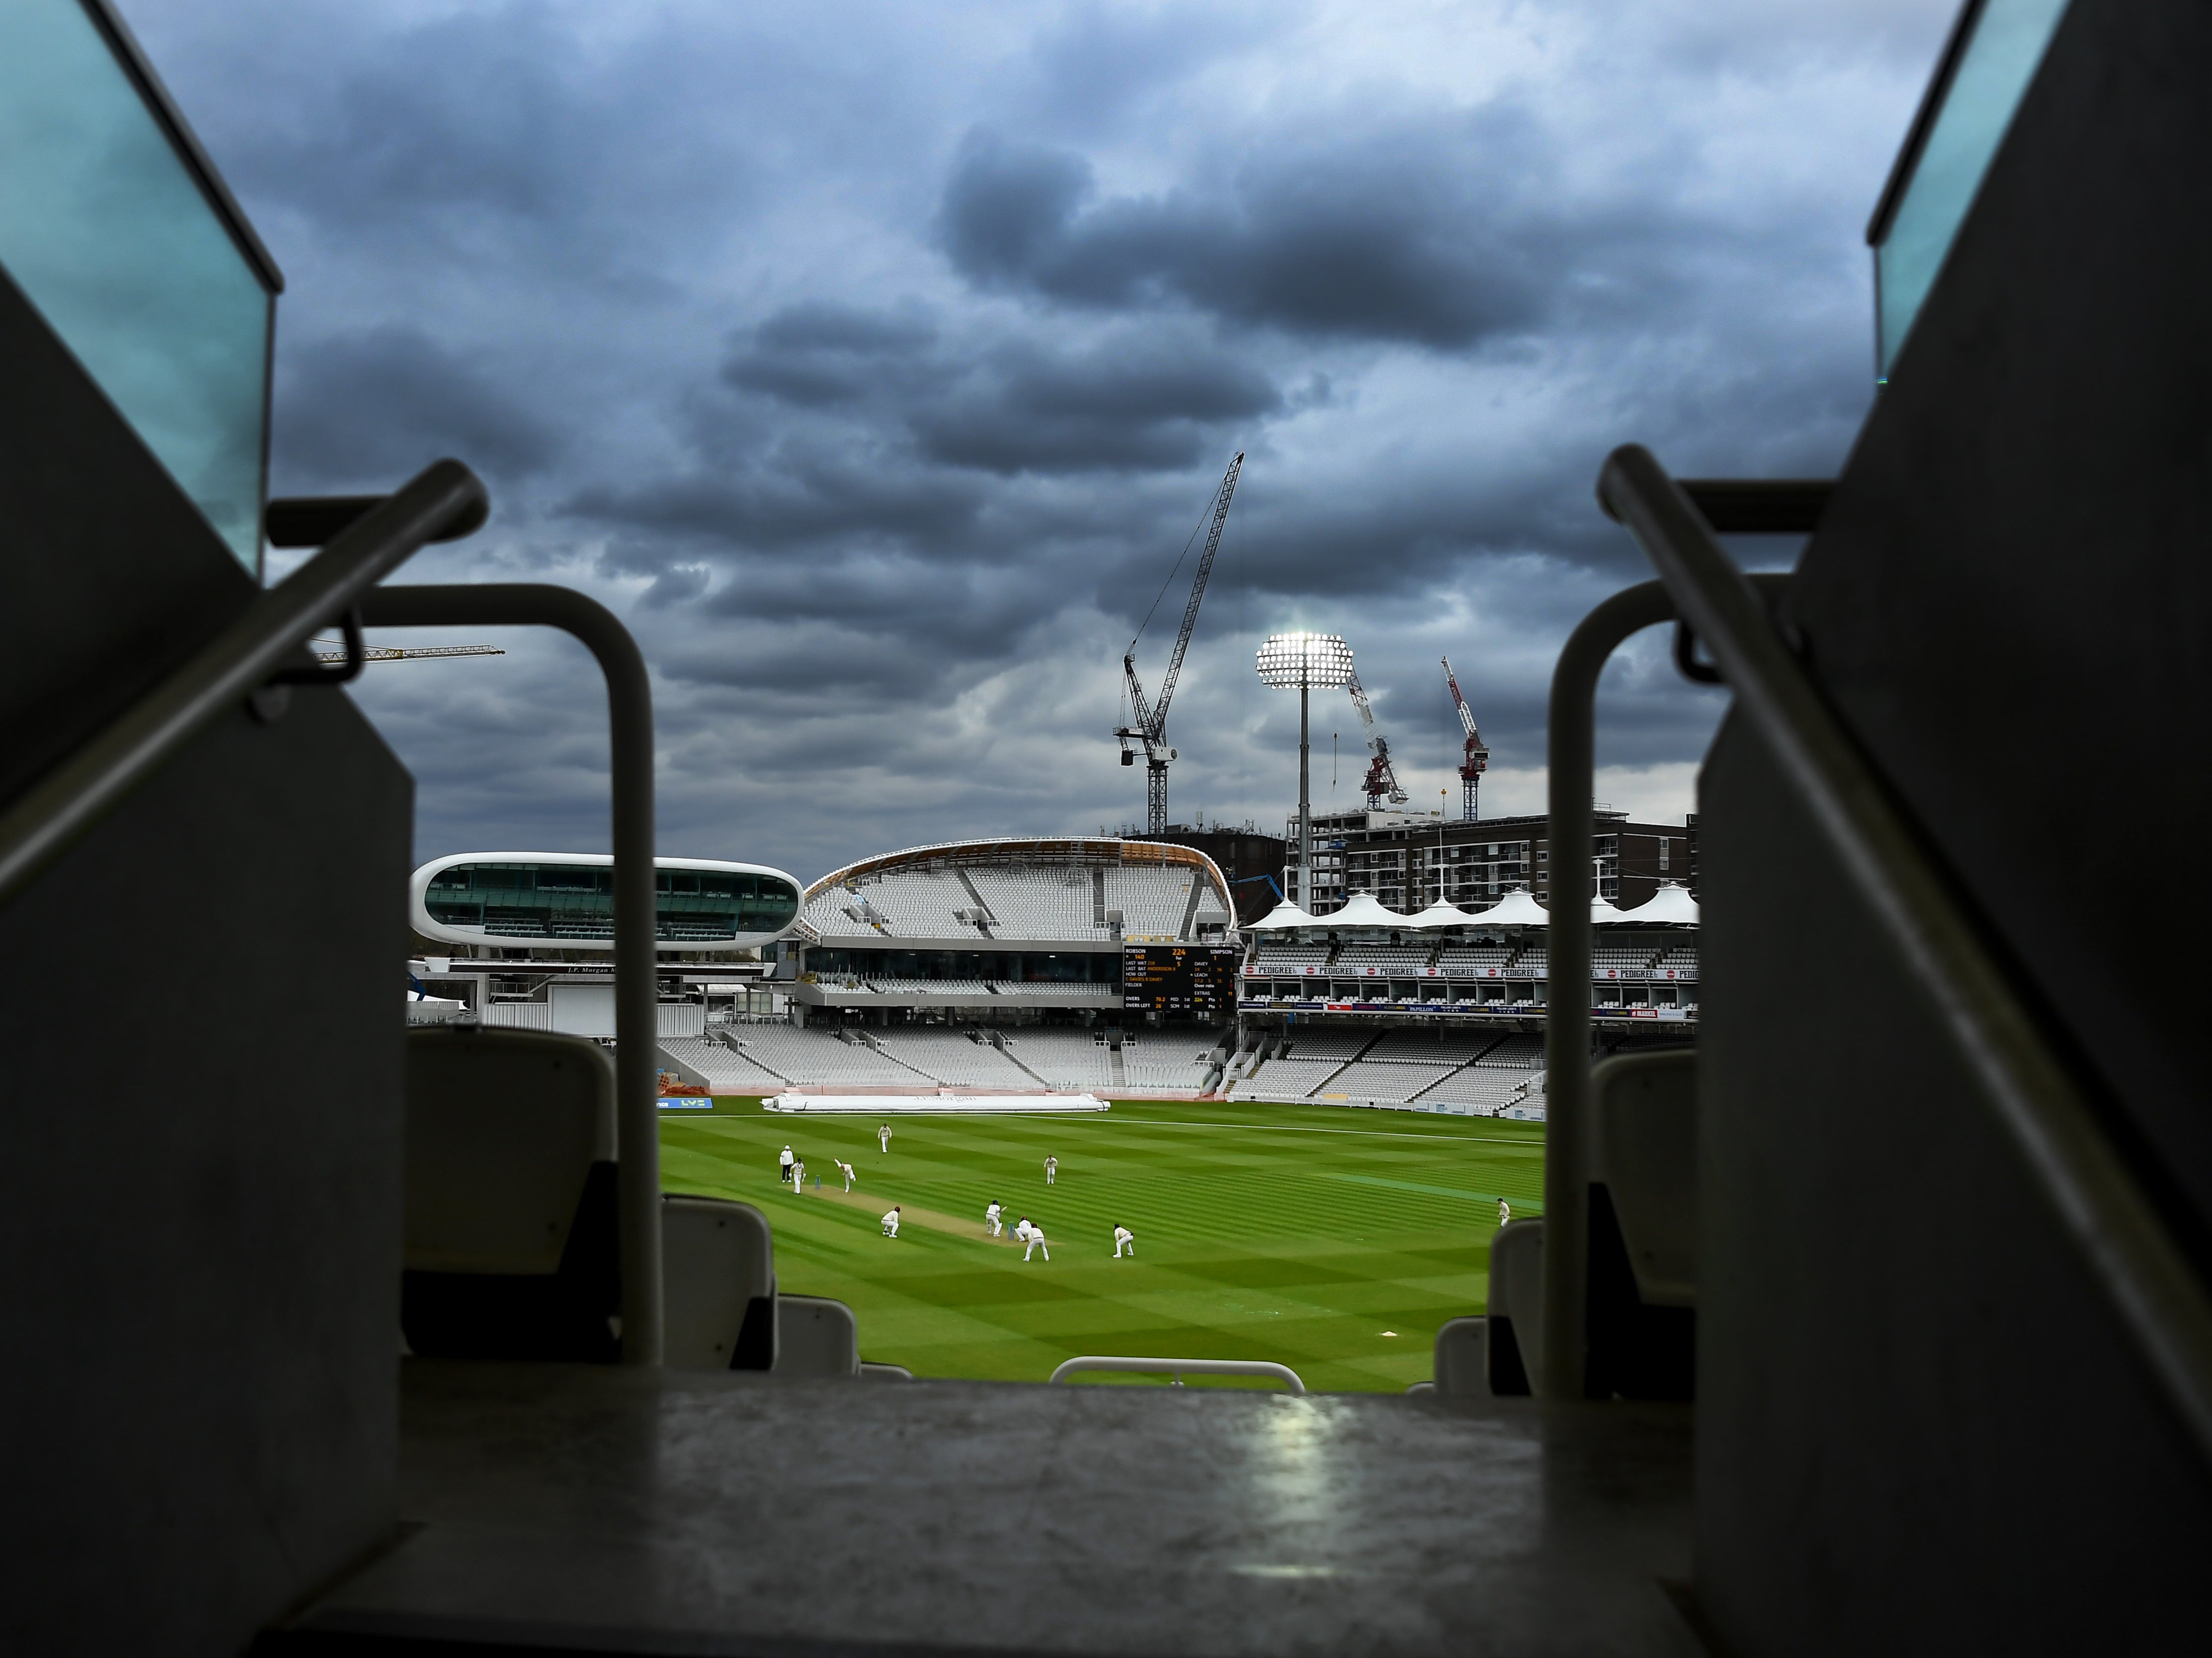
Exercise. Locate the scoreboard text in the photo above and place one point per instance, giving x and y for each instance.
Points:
(1194, 979)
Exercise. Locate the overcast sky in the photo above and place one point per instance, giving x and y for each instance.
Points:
(875, 362)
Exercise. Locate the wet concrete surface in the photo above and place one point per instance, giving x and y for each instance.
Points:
(587, 1509)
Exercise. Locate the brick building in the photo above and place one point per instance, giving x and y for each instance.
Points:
(1409, 861)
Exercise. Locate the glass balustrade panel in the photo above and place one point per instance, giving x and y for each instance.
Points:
(105, 229)
(1995, 65)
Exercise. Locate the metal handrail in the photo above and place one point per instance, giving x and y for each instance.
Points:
(1572, 759)
(630, 716)
(1179, 1367)
(2104, 1210)
(68, 801)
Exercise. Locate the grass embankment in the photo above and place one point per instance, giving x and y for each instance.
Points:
(1300, 1234)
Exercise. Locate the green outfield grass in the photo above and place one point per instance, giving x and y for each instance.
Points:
(1300, 1234)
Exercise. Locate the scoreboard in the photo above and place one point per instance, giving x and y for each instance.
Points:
(1199, 979)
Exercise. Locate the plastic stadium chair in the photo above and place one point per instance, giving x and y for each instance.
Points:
(816, 1337)
(1643, 1226)
(1515, 1340)
(510, 1247)
(1645, 1152)
(1462, 1358)
(717, 1277)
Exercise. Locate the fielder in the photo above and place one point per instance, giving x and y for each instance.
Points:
(1051, 1168)
(883, 1139)
(890, 1222)
(993, 1224)
(1122, 1236)
(1034, 1236)
(845, 1169)
(1504, 1211)
(798, 1176)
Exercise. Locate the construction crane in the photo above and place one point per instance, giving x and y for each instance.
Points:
(396, 653)
(1474, 759)
(1147, 726)
(1382, 782)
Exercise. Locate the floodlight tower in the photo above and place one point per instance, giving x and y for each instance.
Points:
(1305, 660)
(1474, 759)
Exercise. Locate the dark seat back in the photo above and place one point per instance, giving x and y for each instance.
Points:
(511, 1239)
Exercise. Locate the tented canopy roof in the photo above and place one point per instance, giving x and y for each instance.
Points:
(1439, 915)
(1671, 906)
(1284, 916)
(1361, 909)
(1517, 909)
(1602, 912)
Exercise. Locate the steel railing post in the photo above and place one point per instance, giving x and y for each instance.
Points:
(629, 710)
(1572, 760)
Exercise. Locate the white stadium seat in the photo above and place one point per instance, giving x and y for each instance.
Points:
(816, 1337)
(718, 1276)
(1367, 1080)
(719, 1068)
(1514, 1345)
(1645, 1151)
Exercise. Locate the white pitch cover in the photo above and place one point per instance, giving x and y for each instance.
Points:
(945, 1105)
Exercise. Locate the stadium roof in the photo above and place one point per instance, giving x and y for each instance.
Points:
(1440, 915)
(1518, 907)
(957, 893)
(1602, 912)
(1284, 916)
(1363, 909)
(1671, 906)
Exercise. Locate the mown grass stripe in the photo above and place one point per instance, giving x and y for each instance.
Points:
(1253, 1243)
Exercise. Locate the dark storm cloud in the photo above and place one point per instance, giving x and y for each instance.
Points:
(1444, 233)
(822, 356)
(1151, 404)
(1145, 400)
(371, 408)
(876, 363)
(787, 493)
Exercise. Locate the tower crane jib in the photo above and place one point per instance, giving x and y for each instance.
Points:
(1474, 758)
(1381, 783)
(1148, 720)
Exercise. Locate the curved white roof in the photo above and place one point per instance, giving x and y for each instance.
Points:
(1284, 916)
(1671, 906)
(1440, 915)
(1362, 909)
(1603, 913)
(1518, 907)
(1074, 890)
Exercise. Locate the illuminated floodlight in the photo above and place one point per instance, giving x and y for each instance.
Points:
(1301, 662)
(1291, 660)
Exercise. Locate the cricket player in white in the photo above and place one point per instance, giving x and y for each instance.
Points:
(992, 1222)
(883, 1139)
(1035, 1235)
(845, 1169)
(798, 1175)
(890, 1222)
(1051, 1168)
(1123, 1236)
(1504, 1211)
